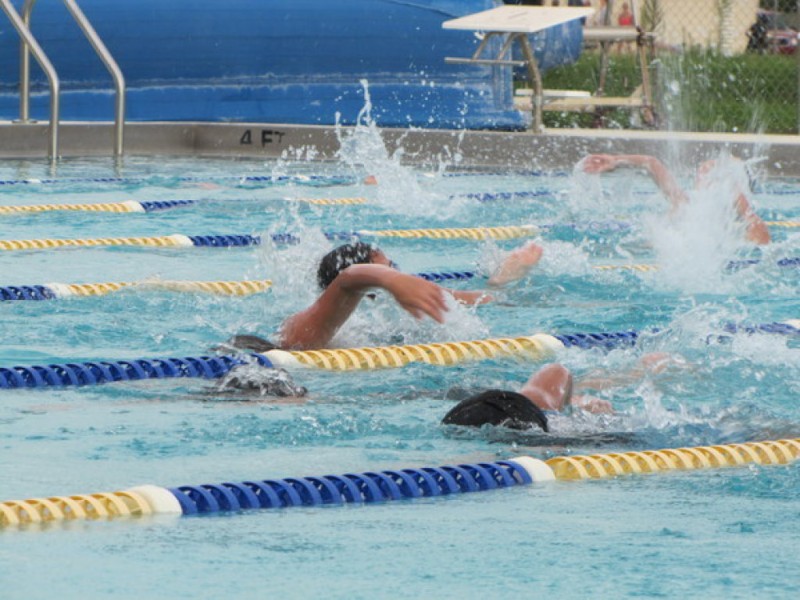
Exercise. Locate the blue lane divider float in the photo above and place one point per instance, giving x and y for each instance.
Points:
(156, 205)
(40, 292)
(447, 276)
(99, 372)
(320, 180)
(788, 262)
(310, 491)
(608, 340)
(372, 486)
(493, 196)
(511, 172)
(26, 292)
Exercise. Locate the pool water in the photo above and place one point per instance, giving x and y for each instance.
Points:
(715, 533)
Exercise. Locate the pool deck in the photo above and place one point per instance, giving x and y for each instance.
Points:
(550, 150)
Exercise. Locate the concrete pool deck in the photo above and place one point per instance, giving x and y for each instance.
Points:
(552, 149)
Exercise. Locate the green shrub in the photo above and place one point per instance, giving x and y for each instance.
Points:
(695, 90)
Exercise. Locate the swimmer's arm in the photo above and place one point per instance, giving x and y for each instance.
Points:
(663, 178)
(756, 230)
(316, 326)
(516, 266)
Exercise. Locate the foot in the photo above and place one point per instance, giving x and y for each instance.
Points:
(517, 265)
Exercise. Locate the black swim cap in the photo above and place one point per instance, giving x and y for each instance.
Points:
(337, 260)
(497, 407)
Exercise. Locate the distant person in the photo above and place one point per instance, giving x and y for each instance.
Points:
(625, 18)
(600, 16)
(347, 273)
(755, 229)
(757, 35)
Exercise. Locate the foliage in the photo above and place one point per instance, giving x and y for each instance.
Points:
(652, 15)
(788, 6)
(696, 90)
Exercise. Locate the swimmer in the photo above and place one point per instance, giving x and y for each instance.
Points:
(255, 381)
(755, 229)
(548, 389)
(349, 272)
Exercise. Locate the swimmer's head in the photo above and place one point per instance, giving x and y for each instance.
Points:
(338, 259)
(253, 379)
(497, 407)
(733, 167)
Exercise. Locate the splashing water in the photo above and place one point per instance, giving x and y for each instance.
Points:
(398, 188)
(695, 244)
(381, 321)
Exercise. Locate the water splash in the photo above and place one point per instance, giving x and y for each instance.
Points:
(381, 321)
(695, 242)
(398, 188)
(257, 381)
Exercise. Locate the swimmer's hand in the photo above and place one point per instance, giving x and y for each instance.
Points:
(417, 296)
(471, 297)
(593, 405)
(599, 163)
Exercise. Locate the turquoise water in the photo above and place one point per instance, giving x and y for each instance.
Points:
(718, 533)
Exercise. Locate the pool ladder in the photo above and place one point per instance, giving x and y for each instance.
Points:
(29, 45)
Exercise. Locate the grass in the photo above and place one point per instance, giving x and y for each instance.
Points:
(696, 90)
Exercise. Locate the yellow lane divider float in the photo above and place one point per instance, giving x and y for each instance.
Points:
(783, 223)
(641, 268)
(598, 466)
(128, 206)
(536, 346)
(226, 288)
(176, 240)
(474, 233)
(185, 241)
(115, 207)
(329, 201)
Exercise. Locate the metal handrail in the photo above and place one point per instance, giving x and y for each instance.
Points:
(102, 53)
(29, 42)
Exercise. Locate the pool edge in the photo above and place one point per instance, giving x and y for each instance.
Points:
(550, 150)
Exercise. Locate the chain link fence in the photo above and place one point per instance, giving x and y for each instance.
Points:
(715, 65)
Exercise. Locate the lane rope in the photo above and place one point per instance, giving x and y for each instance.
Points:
(536, 347)
(384, 486)
(128, 206)
(241, 240)
(52, 291)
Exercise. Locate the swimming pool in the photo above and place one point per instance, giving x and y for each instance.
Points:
(682, 533)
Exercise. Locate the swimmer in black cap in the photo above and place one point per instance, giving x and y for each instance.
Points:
(348, 272)
(549, 389)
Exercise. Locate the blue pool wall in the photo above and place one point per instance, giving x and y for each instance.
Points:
(279, 61)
